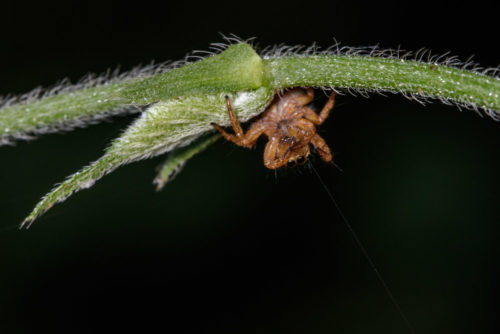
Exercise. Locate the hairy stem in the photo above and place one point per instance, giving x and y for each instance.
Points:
(239, 68)
(409, 77)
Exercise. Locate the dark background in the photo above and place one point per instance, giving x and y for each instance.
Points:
(227, 246)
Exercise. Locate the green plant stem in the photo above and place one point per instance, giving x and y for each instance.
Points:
(239, 68)
(386, 74)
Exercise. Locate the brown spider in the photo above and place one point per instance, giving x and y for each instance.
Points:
(290, 126)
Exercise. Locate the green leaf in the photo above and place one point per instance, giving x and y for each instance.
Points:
(177, 160)
(164, 126)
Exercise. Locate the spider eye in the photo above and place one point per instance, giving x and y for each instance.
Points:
(301, 160)
(290, 163)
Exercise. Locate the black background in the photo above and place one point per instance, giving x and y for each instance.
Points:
(228, 246)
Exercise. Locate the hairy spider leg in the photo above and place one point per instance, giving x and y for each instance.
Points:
(322, 148)
(270, 153)
(247, 139)
(234, 121)
(323, 115)
(300, 98)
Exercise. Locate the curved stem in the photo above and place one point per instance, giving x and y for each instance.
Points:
(410, 77)
(237, 69)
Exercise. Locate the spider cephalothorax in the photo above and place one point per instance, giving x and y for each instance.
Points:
(290, 126)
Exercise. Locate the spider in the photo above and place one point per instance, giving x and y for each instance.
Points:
(290, 126)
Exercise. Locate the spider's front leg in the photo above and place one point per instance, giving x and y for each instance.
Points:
(322, 148)
(247, 139)
(323, 115)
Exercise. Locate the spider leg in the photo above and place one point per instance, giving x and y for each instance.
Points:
(234, 122)
(309, 96)
(323, 115)
(322, 148)
(270, 152)
(299, 96)
(247, 139)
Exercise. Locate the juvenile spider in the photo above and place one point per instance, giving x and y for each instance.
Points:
(290, 126)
